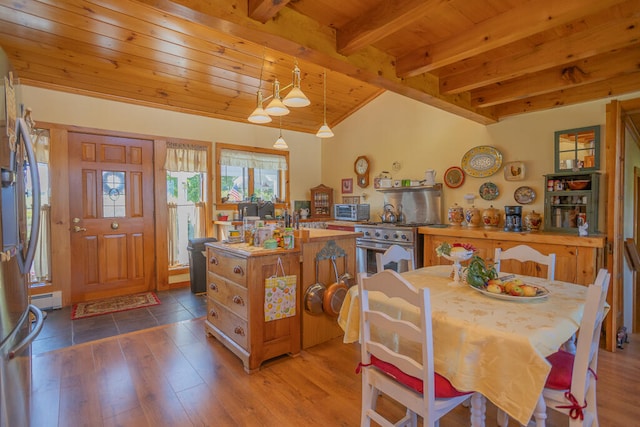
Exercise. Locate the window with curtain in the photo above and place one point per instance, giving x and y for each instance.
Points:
(186, 166)
(250, 174)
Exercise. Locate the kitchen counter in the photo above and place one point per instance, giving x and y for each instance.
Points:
(577, 258)
(593, 241)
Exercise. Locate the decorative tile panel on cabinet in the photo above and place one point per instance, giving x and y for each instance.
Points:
(236, 276)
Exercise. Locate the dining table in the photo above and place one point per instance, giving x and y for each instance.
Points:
(491, 344)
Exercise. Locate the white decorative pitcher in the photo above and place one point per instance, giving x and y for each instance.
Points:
(430, 177)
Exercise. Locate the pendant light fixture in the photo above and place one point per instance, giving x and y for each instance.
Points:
(325, 131)
(278, 106)
(280, 143)
(259, 116)
(295, 97)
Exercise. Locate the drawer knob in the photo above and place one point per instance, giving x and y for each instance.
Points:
(213, 314)
(213, 287)
(238, 270)
(237, 299)
(239, 331)
(213, 260)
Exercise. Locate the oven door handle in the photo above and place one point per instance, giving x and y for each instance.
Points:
(381, 246)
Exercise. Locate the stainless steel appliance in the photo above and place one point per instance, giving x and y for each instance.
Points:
(415, 206)
(17, 328)
(351, 212)
(378, 237)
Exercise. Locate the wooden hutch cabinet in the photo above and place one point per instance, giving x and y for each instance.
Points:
(321, 202)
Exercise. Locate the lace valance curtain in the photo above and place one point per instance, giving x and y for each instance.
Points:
(41, 145)
(247, 159)
(186, 158)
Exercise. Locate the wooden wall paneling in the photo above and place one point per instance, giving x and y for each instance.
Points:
(160, 186)
(60, 220)
(614, 202)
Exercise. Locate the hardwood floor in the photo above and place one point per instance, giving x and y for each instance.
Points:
(174, 375)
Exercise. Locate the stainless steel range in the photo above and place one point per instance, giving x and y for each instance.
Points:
(418, 206)
(378, 237)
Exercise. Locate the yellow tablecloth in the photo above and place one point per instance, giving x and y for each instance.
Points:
(492, 346)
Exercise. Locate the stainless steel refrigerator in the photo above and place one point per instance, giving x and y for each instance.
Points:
(20, 322)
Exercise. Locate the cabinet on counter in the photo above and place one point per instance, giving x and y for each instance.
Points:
(569, 199)
(577, 258)
(321, 202)
(236, 275)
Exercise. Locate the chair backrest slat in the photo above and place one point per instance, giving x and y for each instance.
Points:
(524, 253)
(402, 258)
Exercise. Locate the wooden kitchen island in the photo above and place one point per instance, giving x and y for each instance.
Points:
(318, 328)
(577, 258)
(236, 275)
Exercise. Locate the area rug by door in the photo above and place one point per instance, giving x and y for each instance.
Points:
(113, 305)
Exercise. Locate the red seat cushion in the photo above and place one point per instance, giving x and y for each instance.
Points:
(561, 370)
(443, 388)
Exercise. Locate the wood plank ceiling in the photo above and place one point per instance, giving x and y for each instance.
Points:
(483, 59)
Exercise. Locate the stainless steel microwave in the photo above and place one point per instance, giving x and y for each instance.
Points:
(351, 212)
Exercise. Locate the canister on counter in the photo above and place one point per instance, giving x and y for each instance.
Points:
(288, 238)
(550, 185)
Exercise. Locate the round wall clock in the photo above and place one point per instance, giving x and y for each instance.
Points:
(361, 168)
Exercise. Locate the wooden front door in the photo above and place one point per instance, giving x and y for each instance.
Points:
(112, 221)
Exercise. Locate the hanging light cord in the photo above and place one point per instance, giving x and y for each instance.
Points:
(324, 87)
(264, 52)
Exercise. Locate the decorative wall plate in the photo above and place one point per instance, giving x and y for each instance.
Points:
(489, 191)
(454, 177)
(482, 161)
(524, 195)
(514, 171)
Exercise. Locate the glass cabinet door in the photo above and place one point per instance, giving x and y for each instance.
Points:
(578, 149)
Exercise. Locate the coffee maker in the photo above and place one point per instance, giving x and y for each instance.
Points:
(513, 218)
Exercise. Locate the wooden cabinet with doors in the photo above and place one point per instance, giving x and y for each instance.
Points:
(236, 276)
(577, 258)
(321, 202)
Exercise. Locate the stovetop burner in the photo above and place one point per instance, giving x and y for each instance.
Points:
(394, 224)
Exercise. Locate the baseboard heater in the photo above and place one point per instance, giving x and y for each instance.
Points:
(47, 301)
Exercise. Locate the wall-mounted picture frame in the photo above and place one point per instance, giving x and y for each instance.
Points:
(347, 185)
(351, 200)
(514, 171)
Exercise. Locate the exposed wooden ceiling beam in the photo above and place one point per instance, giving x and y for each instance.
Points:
(518, 23)
(604, 89)
(587, 71)
(299, 36)
(622, 33)
(388, 17)
(263, 10)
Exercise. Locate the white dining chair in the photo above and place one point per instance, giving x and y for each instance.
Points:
(395, 256)
(524, 253)
(571, 385)
(410, 381)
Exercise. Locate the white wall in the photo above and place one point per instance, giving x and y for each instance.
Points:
(70, 109)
